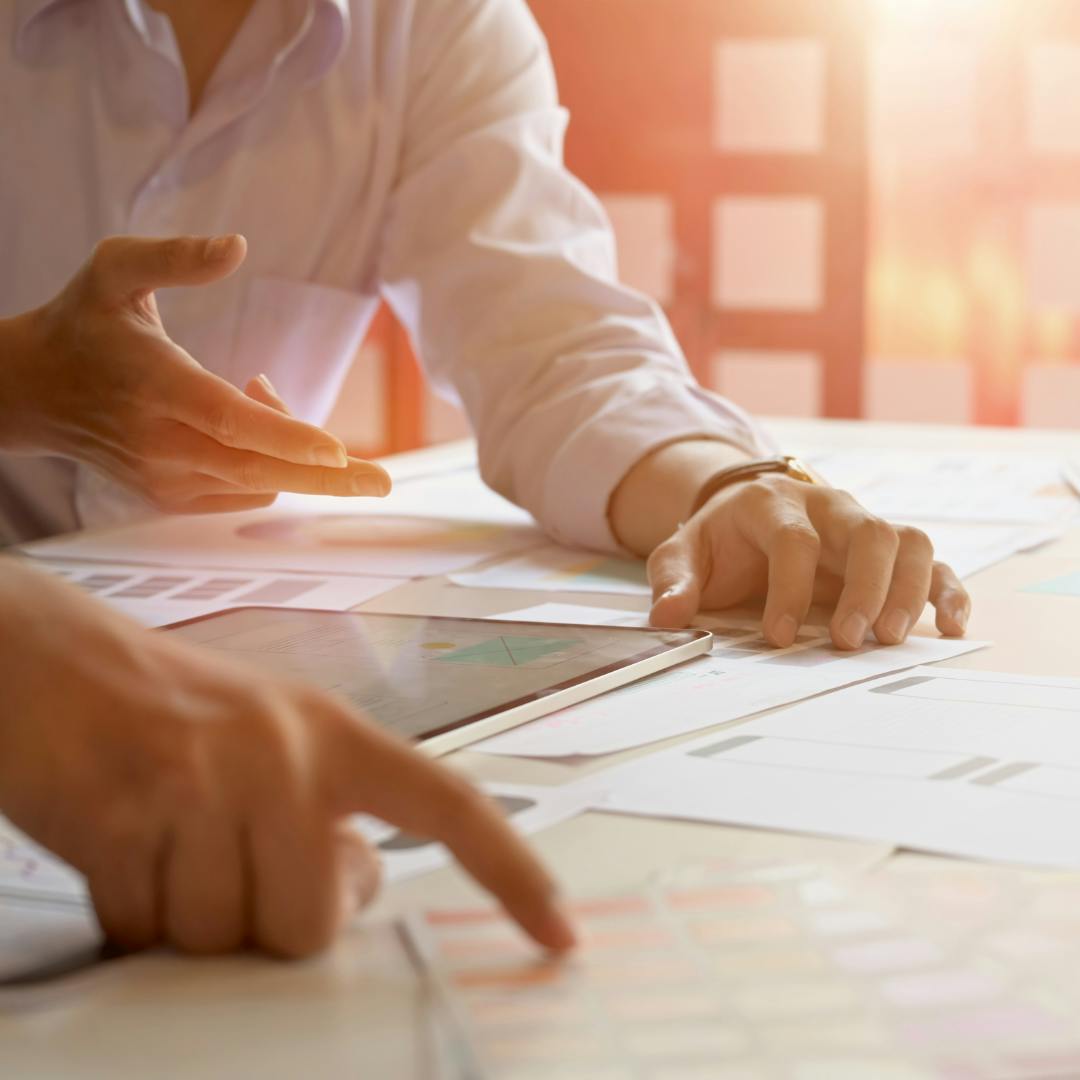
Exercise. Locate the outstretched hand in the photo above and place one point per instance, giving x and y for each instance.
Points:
(93, 376)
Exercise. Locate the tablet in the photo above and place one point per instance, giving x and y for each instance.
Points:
(443, 682)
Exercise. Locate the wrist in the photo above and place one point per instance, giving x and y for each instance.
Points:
(660, 490)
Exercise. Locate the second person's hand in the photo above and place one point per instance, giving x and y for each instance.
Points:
(93, 376)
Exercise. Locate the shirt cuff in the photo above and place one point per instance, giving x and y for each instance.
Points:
(634, 421)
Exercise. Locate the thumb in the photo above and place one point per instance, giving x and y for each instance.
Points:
(678, 569)
(122, 265)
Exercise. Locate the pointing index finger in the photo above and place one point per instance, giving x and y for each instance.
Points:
(368, 771)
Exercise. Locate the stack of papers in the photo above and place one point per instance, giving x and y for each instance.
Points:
(743, 675)
(976, 764)
(968, 487)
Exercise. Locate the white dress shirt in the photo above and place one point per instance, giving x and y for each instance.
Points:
(401, 149)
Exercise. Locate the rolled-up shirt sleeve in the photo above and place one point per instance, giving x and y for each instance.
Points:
(502, 266)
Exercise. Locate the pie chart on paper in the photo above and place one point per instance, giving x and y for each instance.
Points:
(399, 545)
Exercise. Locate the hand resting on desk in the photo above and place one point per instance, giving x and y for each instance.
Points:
(775, 537)
(93, 376)
(204, 804)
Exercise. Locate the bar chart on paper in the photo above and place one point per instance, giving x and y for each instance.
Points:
(157, 596)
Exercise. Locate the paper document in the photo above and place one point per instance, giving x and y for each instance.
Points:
(29, 872)
(782, 972)
(946, 485)
(969, 763)
(559, 569)
(971, 548)
(379, 545)
(575, 614)
(742, 676)
(160, 597)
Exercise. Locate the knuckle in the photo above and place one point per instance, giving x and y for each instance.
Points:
(205, 937)
(799, 535)
(249, 473)
(172, 255)
(915, 539)
(662, 554)
(183, 775)
(304, 938)
(877, 533)
(220, 422)
(761, 490)
(842, 495)
(104, 254)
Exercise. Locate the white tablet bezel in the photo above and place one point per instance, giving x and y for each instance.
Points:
(472, 729)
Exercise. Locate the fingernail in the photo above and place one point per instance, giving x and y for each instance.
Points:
(563, 935)
(784, 631)
(218, 248)
(896, 624)
(961, 616)
(853, 629)
(371, 484)
(268, 386)
(331, 457)
(667, 594)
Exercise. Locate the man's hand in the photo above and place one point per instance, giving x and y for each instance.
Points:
(93, 376)
(204, 802)
(790, 542)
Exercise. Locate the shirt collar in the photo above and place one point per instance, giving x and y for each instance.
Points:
(334, 31)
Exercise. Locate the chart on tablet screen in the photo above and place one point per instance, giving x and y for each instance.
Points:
(415, 674)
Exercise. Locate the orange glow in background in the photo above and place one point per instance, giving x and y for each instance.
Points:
(865, 208)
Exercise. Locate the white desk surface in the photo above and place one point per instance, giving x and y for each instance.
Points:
(162, 1016)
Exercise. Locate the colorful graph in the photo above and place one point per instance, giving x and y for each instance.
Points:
(597, 572)
(1067, 585)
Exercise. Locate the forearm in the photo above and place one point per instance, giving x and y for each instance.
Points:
(659, 491)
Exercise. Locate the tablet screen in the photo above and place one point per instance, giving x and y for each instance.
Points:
(424, 675)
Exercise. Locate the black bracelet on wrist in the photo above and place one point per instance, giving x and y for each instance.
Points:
(747, 470)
